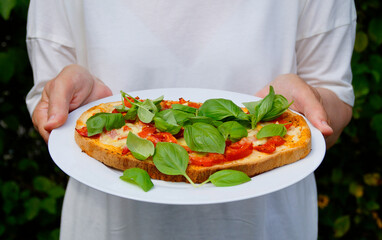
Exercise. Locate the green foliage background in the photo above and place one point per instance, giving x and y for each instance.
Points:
(349, 180)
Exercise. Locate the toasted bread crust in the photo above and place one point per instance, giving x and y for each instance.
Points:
(256, 163)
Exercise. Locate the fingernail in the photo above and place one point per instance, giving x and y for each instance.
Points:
(51, 118)
(327, 126)
(325, 123)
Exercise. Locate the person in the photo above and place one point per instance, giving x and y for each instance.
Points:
(81, 51)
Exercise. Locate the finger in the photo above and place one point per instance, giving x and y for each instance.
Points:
(316, 114)
(59, 95)
(39, 119)
(99, 90)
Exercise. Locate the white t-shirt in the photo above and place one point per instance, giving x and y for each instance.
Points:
(232, 45)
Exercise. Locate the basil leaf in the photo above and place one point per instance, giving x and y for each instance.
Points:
(170, 158)
(146, 111)
(128, 98)
(139, 177)
(259, 109)
(271, 130)
(251, 106)
(165, 121)
(233, 131)
(184, 108)
(265, 105)
(139, 147)
(114, 121)
(96, 123)
(219, 109)
(121, 108)
(157, 102)
(203, 137)
(131, 114)
(200, 119)
(182, 117)
(228, 177)
(242, 116)
(280, 105)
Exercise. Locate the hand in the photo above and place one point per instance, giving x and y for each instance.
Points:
(320, 106)
(73, 87)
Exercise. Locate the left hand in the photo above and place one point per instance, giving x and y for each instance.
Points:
(323, 113)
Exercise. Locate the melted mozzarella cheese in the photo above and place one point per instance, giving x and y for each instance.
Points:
(117, 137)
(295, 132)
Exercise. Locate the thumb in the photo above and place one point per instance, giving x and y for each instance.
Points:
(318, 117)
(58, 109)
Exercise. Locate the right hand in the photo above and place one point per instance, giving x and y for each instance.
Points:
(73, 87)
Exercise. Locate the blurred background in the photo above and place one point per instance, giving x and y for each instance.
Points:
(349, 179)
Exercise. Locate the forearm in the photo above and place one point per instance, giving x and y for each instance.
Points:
(339, 113)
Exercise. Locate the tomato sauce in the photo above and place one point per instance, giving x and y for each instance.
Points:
(84, 132)
(233, 151)
(166, 104)
(270, 145)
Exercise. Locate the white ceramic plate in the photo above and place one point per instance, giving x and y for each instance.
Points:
(68, 156)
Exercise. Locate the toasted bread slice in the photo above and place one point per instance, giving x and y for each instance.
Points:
(296, 147)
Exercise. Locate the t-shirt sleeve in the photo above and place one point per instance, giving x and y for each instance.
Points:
(49, 44)
(324, 47)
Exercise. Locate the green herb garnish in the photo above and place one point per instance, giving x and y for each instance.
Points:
(96, 123)
(140, 148)
(203, 137)
(272, 130)
(139, 177)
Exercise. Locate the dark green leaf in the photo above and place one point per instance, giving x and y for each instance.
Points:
(184, 108)
(171, 158)
(2, 229)
(56, 192)
(219, 109)
(27, 164)
(376, 101)
(279, 106)
(131, 114)
(200, 119)
(49, 204)
(265, 105)
(139, 177)
(375, 30)
(42, 184)
(96, 123)
(202, 137)
(361, 42)
(6, 7)
(6, 65)
(10, 190)
(372, 206)
(165, 121)
(182, 117)
(233, 131)
(32, 208)
(341, 226)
